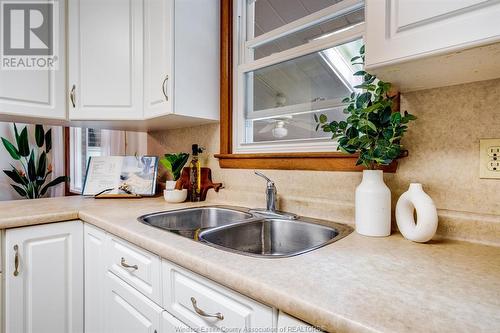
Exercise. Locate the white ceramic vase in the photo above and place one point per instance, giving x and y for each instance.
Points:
(373, 205)
(415, 199)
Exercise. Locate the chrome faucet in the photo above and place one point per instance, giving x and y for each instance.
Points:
(271, 202)
(271, 194)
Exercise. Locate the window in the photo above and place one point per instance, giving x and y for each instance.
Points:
(89, 142)
(292, 60)
(84, 143)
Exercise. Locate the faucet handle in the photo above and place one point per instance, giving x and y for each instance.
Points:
(260, 174)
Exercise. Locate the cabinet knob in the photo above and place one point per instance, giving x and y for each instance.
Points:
(16, 260)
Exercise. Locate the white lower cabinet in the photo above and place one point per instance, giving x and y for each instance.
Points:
(95, 269)
(43, 272)
(127, 310)
(70, 277)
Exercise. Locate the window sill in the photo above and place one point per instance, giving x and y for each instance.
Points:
(330, 161)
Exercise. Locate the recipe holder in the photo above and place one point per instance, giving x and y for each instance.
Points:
(206, 182)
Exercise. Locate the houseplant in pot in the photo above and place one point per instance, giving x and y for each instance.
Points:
(374, 131)
(173, 164)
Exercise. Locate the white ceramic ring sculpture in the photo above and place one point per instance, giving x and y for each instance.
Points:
(415, 199)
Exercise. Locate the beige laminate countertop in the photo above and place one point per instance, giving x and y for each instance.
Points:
(358, 284)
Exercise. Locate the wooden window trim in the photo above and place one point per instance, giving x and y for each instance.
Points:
(321, 161)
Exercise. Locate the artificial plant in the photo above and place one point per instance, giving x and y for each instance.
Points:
(372, 128)
(35, 163)
(174, 163)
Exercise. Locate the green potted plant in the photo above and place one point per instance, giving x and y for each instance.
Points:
(374, 131)
(32, 178)
(173, 164)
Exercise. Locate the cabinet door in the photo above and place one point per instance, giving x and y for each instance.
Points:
(400, 30)
(105, 59)
(158, 57)
(44, 278)
(36, 93)
(95, 269)
(127, 310)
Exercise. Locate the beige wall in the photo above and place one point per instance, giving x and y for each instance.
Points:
(444, 155)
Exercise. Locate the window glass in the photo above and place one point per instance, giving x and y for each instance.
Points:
(281, 99)
(272, 14)
(84, 143)
(325, 29)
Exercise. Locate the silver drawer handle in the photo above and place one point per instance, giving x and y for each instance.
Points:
(124, 264)
(16, 260)
(202, 313)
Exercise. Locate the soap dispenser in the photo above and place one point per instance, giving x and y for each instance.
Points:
(195, 174)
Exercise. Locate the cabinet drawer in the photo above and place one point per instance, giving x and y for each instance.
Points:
(127, 310)
(136, 266)
(184, 293)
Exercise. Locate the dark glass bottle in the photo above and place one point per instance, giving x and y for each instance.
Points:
(195, 174)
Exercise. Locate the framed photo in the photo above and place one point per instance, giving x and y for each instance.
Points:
(109, 173)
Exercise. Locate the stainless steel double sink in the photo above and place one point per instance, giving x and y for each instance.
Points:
(242, 231)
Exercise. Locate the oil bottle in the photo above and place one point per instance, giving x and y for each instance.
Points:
(195, 174)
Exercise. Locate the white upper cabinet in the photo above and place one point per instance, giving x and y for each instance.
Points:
(43, 272)
(418, 44)
(151, 60)
(400, 30)
(105, 46)
(34, 93)
(137, 64)
(158, 57)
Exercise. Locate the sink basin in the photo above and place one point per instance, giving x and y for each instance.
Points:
(273, 237)
(189, 222)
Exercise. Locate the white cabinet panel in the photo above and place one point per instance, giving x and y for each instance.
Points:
(44, 285)
(158, 57)
(203, 304)
(37, 93)
(127, 310)
(403, 30)
(196, 86)
(105, 59)
(140, 268)
(95, 269)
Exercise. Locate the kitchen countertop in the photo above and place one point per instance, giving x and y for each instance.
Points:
(358, 284)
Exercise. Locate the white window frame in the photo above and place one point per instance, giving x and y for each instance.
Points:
(243, 63)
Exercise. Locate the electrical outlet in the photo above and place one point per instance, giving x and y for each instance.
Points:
(489, 158)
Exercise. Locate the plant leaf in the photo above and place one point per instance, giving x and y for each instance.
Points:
(48, 140)
(42, 166)
(14, 176)
(19, 190)
(23, 144)
(39, 135)
(54, 182)
(14, 153)
(31, 167)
